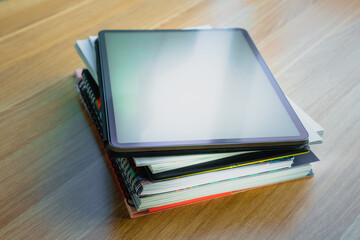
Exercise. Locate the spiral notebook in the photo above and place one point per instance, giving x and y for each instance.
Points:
(128, 175)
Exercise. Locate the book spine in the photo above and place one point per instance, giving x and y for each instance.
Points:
(135, 184)
(86, 99)
(125, 171)
(92, 91)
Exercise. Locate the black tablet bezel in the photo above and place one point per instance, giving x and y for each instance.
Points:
(240, 143)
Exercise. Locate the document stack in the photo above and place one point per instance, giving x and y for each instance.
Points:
(154, 174)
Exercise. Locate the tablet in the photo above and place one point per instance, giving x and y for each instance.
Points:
(183, 90)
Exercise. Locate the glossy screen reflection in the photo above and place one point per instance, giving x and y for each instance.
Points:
(191, 85)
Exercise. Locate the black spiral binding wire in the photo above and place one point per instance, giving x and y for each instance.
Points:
(83, 90)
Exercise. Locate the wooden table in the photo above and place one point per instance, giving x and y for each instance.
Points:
(54, 179)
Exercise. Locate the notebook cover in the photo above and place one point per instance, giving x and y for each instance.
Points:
(88, 103)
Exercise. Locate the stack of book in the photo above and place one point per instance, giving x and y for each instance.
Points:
(154, 183)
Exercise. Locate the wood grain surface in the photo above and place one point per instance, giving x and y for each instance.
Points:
(55, 182)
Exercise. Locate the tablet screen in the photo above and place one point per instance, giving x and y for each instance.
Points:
(192, 86)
